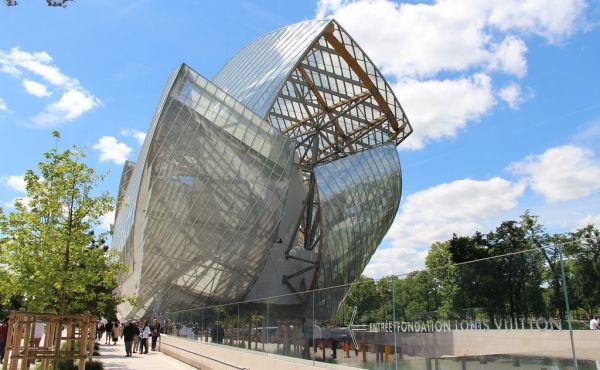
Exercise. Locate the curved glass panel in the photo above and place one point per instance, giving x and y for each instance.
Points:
(209, 200)
(255, 75)
(359, 196)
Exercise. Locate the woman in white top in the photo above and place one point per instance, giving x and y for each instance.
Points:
(144, 334)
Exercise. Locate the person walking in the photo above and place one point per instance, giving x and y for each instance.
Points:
(140, 329)
(3, 337)
(136, 336)
(145, 333)
(108, 328)
(128, 332)
(99, 330)
(117, 331)
(154, 333)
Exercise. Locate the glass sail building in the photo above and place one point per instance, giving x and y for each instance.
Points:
(280, 175)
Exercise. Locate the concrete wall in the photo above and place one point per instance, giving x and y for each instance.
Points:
(181, 349)
(539, 343)
(546, 343)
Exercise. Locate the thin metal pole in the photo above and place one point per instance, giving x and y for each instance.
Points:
(564, 284)
(394, 321)
(313, 329)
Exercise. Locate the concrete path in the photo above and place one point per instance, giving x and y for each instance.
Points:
(113, 358)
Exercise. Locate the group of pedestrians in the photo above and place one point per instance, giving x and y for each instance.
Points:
(134, 334)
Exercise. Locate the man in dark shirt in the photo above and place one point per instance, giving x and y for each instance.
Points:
(128, 332)
(108, 327)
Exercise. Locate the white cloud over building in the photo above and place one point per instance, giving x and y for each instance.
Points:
(447, 52)
(112, 150)
(138, 135)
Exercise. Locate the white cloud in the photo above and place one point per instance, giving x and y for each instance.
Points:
(3, 106)
(36, 88)
(588, 135)
(112, 150)
(435, 214)
(561, 173)
(551, 19)
(452, 35)
(509, 56)
(139, 135)
(17, 183)
(39, 63)
(512, 95)
(416, 43)
(24, 200)
(589, 220)
(414, 40)
(107, 220)
(74, 100)
(396, 261)
(72, 104)
(438, 109)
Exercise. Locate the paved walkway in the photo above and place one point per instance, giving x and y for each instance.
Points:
(113, 358)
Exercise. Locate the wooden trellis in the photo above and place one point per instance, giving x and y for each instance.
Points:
(61, 333)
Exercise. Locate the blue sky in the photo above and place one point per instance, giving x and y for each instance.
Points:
(504, 97)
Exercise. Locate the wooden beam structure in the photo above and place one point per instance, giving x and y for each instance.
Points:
(362, 75)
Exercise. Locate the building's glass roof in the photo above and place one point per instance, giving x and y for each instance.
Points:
(256, 74)
(316, 85)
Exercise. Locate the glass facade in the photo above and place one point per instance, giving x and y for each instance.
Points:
(278, 177)
(210, 193)
(487, 314)
(359, 197)
(259, 197)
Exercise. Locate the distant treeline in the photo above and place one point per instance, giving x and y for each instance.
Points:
(512, 272)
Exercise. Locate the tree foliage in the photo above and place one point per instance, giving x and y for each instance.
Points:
(585, 263)
(512, 272)
(50, 256)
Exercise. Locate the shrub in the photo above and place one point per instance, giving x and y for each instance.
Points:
(65, 364)
(94, 365)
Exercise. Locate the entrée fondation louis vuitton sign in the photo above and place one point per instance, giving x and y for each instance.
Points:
(522, 323)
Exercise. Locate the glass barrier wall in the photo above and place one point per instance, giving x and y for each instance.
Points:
(494, 313)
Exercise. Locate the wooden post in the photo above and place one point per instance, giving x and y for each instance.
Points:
(363, 347)
(17, 336)
(20, 351)
(26, 342)
(92, 340)
(83, 342)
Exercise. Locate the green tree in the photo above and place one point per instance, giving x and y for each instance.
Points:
(444, 277)
(364, 296)
(549, 247)
(519, 273)
(477, 285)
(584, 255)
(49, 253)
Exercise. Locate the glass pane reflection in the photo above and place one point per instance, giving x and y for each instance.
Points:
(462, 316)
